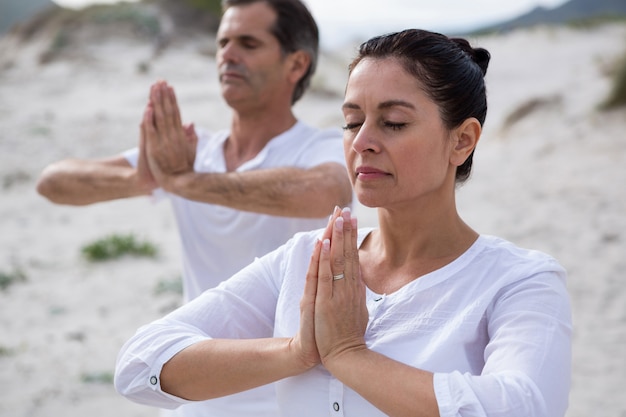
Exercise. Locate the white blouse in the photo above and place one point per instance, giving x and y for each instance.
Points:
(494, 326)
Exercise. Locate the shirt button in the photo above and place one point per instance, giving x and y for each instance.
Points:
(336, 406)
(153, 380)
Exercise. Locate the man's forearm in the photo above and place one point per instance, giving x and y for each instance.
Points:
(82, 182)
(289, 192)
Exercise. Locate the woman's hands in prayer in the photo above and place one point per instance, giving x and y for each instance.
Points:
(333, 313)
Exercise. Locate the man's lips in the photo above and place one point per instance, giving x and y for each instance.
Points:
(231, 75)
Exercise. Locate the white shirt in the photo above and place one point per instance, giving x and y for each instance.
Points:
(494, 326)
(218, 241)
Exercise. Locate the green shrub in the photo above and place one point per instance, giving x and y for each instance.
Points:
(116, 246)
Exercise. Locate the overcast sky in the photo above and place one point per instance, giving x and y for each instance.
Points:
(342, 20)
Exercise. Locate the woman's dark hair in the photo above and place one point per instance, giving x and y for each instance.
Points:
(295, 29)
(450, 71)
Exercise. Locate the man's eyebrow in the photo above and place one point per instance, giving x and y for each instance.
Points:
(248, 38)
(348, 105)
(245, 38)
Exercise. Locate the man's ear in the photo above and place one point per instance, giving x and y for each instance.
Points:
(298, 65)
(465, 139)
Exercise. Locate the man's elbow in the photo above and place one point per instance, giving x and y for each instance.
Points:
(338, 188)
(344, 189)
(51, 186)
(345, 197)
(46, 185)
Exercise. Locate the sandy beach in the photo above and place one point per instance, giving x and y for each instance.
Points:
(549, 174)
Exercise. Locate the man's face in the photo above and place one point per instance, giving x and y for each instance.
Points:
(252, 69)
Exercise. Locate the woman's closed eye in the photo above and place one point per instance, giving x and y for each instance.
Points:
(351, 126)
(394, 125)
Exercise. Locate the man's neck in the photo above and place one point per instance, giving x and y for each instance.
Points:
(249, 134)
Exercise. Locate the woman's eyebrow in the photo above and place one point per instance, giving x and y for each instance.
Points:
(394, 103)
(383, 105)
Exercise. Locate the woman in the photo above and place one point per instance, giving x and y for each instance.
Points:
(422, 316)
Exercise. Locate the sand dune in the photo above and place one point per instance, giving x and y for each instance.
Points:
(549, 174)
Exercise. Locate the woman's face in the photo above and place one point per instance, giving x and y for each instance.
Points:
(396, 147)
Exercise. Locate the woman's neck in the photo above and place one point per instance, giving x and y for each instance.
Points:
(404, 248)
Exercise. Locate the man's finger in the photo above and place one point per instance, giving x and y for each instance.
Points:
(157, 101)
(172, 107)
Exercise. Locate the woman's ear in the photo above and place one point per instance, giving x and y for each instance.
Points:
(465, 139)
(299, 63)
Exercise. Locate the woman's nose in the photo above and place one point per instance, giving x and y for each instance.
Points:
(365, 140)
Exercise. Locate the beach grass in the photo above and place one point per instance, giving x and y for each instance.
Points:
(98, 377)
(115, 246)
(9, 278)
(169, 286)
(5, 351)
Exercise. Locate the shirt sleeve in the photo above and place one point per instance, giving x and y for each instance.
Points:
(241, 307)
(132, 156)
(326, 146)
(527, 360)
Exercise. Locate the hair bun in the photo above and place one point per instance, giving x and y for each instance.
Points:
(482, 57)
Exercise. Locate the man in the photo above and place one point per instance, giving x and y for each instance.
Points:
(236, 194)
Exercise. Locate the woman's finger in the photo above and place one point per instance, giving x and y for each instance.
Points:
(342, 245)
(355, 266)
(331, 220)
(306, 334)
(310, 285)
(324, 273)
(349, 247)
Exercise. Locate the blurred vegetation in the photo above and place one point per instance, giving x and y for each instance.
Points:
(617, 96)
(595, 21)
(581, 23)
(157, 22)
(142, 20)
(173, 286)
(13, 179)
(116, 246)
(5, 351)
(213, 6)
(101, 377)
(9, 278)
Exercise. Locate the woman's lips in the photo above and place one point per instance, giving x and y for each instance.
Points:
(368, 173)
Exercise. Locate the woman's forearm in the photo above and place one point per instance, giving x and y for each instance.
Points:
(394, 388)
(219, 367)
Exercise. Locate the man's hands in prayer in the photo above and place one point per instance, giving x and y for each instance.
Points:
(167, 149)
